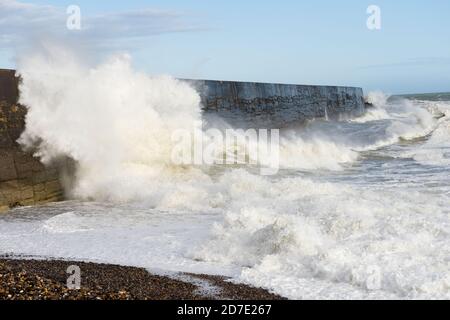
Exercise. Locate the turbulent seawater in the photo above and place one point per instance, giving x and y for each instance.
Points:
(359, 209)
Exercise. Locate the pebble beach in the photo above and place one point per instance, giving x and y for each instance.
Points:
(47, 280)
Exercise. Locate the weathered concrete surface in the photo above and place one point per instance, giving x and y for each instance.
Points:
(23, 179)
(277, 105)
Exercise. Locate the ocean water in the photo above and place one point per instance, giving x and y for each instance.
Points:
(359, 209)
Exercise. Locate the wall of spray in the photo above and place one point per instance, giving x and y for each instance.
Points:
(32, 161)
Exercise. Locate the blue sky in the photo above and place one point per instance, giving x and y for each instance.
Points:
(307, 42)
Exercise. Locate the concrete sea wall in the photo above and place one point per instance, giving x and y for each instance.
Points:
(272, 105)
(25, 181)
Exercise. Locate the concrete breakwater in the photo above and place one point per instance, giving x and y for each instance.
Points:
(24, 180)
(271, 105)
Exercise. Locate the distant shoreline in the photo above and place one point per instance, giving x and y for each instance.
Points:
(432, 96)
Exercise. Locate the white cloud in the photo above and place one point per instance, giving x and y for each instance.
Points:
(20, 21)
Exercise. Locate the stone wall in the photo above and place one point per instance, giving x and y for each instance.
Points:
(23, 179)
(272, 105)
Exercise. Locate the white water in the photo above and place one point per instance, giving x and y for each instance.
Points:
(360, 208)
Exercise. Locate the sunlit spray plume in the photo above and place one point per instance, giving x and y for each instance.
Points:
(377, 98)
(114, 122)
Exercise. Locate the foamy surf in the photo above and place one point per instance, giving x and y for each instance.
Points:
(359, 209)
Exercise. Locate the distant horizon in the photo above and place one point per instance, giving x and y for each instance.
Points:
(301, 84)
